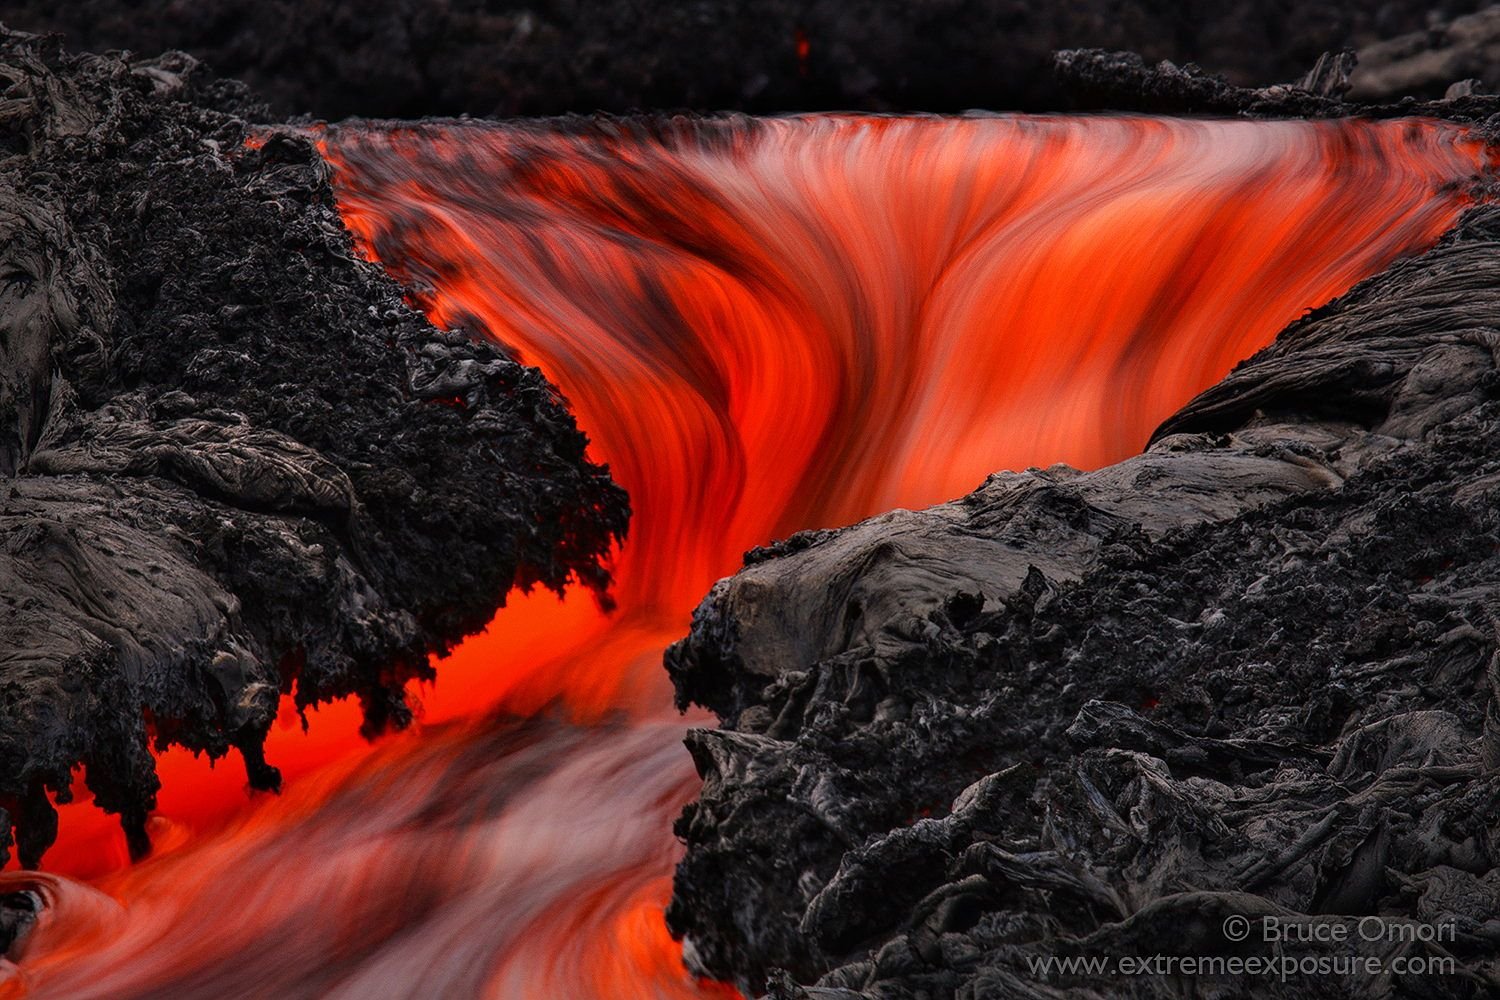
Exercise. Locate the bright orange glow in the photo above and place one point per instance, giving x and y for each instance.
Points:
(764, 326)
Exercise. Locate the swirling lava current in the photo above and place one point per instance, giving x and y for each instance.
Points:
(765, 325)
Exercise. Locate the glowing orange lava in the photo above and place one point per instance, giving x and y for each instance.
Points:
(764, 326)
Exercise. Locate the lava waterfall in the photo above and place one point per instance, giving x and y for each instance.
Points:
(764, 326)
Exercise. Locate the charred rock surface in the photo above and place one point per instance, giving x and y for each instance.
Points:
(410, 58)
(233, 463)
(1252, 671)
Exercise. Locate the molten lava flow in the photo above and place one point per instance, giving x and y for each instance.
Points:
(774, 325)
(765, 326)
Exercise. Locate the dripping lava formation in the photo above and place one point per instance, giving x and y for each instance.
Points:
(1251, 671)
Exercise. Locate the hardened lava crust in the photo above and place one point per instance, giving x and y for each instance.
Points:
(233, 462)
(1252, 674)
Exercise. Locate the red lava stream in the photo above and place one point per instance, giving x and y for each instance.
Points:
(764, 325)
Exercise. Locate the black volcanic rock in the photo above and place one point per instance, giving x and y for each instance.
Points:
(233, 463)
(1250, 672)
(411, 58)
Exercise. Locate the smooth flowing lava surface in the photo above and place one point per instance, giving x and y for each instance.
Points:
(764, 326)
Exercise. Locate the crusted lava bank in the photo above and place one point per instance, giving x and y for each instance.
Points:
(234, 464)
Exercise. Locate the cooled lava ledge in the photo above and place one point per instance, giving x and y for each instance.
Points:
(1252, 671)
(233, 462)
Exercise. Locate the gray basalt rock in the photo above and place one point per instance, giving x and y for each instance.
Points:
(233, 463)
(1251, 672)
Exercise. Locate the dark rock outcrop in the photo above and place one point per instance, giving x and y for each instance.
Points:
(411, 58)
(233, 463)
(1460, 56)
(1251, 672)
(1100, 79)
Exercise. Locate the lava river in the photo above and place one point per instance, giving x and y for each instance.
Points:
(764, 325)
